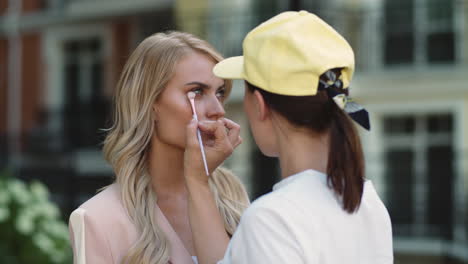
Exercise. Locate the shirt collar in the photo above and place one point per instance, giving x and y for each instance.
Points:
(295, 177)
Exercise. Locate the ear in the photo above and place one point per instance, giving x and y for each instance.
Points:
(260, 105)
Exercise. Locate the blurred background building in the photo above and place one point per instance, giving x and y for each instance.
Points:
(60, 60)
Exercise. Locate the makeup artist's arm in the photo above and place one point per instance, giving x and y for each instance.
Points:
(209, 235)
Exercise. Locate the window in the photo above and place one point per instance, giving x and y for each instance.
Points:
(419, 31)
(85, 105)
(419, 174)
(157, 21)
(230, 21)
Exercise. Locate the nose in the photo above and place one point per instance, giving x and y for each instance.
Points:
(214, 109)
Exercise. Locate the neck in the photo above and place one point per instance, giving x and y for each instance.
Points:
(301, 150)
(165, 165)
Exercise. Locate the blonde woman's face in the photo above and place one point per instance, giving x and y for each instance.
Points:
(172, 108)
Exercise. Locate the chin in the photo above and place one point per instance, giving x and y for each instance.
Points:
(269, 153)
(172, 142)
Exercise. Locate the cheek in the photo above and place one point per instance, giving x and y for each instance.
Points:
(264, 141)
(208, 104)
(202, 106)
(171, 122)
(262, 134)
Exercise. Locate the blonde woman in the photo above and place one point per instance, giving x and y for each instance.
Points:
(143, 217)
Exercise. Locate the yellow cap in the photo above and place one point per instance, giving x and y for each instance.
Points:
(287, 54)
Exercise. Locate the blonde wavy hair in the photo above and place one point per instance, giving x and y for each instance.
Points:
(146, 73)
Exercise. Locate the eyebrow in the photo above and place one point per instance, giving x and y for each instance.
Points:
(203, 85)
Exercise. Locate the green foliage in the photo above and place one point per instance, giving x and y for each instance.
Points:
(31, 230)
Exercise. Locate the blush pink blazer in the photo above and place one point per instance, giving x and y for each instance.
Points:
(102, 232)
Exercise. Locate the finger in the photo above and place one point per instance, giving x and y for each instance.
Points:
(207, 126)
(215, 128)
(233, 131)
(238, 142)
(220, 132)
(229, 123)
(191, 139)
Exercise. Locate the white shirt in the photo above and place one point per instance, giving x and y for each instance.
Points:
(302, 221)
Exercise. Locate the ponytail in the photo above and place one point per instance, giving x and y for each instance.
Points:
(345, 168)
(319, 113)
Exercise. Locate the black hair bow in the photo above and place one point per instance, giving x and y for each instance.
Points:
(330, 81)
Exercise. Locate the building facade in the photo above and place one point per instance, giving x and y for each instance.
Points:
(59, 62)
(61, 59)
(413, 78)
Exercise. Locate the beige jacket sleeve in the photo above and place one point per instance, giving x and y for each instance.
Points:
(89, 242)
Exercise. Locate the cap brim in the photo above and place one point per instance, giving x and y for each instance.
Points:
(230, 68)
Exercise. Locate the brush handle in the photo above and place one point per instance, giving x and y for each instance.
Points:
(202, 152)
(202, 149)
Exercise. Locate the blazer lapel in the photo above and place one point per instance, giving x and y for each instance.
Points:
(179, 254)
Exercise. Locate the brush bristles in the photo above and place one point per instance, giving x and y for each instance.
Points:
(191, 95)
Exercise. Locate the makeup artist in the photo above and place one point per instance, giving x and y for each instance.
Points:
(297, 71)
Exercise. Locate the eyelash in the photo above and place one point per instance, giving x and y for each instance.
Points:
(199, 91)
(222, 92)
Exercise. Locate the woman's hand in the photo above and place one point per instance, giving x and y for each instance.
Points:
(221, 137)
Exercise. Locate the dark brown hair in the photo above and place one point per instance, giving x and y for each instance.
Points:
(319, 113)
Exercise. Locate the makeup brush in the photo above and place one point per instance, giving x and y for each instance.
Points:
(191, 97)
